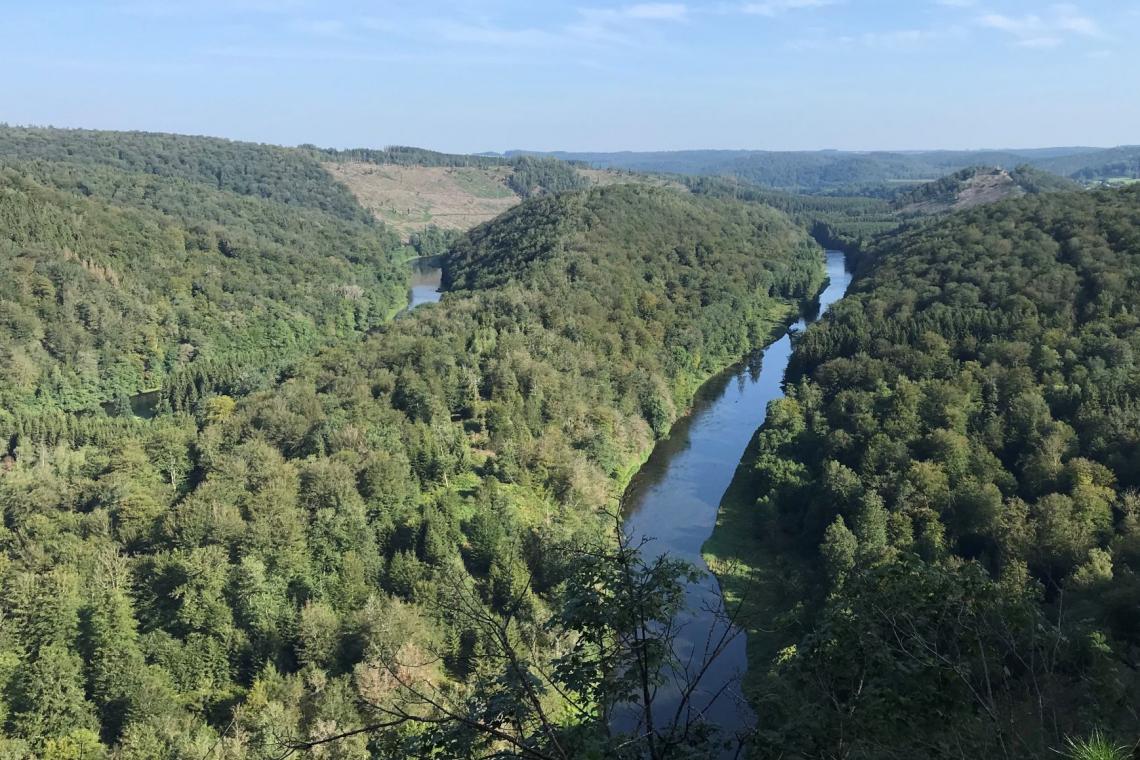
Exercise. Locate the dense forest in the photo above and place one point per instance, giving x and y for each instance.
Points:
(282, 560)
(945, 501)
(144, 262)
(852, 222)
(813, 172)
(280, 174)
(353, 535)
(846, 223)
(1101, 165)
(403, 155)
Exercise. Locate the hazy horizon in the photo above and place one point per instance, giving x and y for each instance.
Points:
(616, 151)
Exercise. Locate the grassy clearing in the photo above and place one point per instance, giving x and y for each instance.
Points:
(410, 198)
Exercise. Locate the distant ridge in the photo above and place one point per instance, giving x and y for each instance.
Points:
(871, 172)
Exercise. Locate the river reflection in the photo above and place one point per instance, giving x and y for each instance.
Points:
(674, 499)
(427, 277)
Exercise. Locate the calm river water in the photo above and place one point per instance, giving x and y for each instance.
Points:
(674, 500)
(426, 279)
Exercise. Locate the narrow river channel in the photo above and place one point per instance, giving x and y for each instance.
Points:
(427, 277)
(674, 499)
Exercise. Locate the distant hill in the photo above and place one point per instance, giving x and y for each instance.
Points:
(414, 190)
(849, 222)
(268, 172)
(873, 173)
(1097, 166)
(668, 162)
(978, 186)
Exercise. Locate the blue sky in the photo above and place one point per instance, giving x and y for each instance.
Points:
(583, 74)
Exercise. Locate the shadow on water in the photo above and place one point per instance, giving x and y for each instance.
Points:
(674, 499)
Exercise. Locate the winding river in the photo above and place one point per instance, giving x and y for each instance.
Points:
(674, 499)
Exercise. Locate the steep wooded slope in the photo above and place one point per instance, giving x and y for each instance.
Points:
(953, 474)
(132, 258)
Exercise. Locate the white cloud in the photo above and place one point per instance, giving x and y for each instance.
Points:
(777, 7)
(657, 11)
(896, 39)
(636, 13)
(1069, 19)
(488, 34)
(1043, 30)
(623, 26)
(1020, 26)
(324, 27)
(1040, 42)
(178, 8)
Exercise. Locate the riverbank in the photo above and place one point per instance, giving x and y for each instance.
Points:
(758, 573)
(755, 569)
(674, 499)
(783, 316)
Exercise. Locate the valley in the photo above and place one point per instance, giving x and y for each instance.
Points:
(609, 380)
(390, 452)
(674, 502)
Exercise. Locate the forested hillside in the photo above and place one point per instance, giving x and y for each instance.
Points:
(253, 569)
(839, 222)
(822, 172)
(147, 261)
(851, 222)
(943, 510)
(279, 174)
